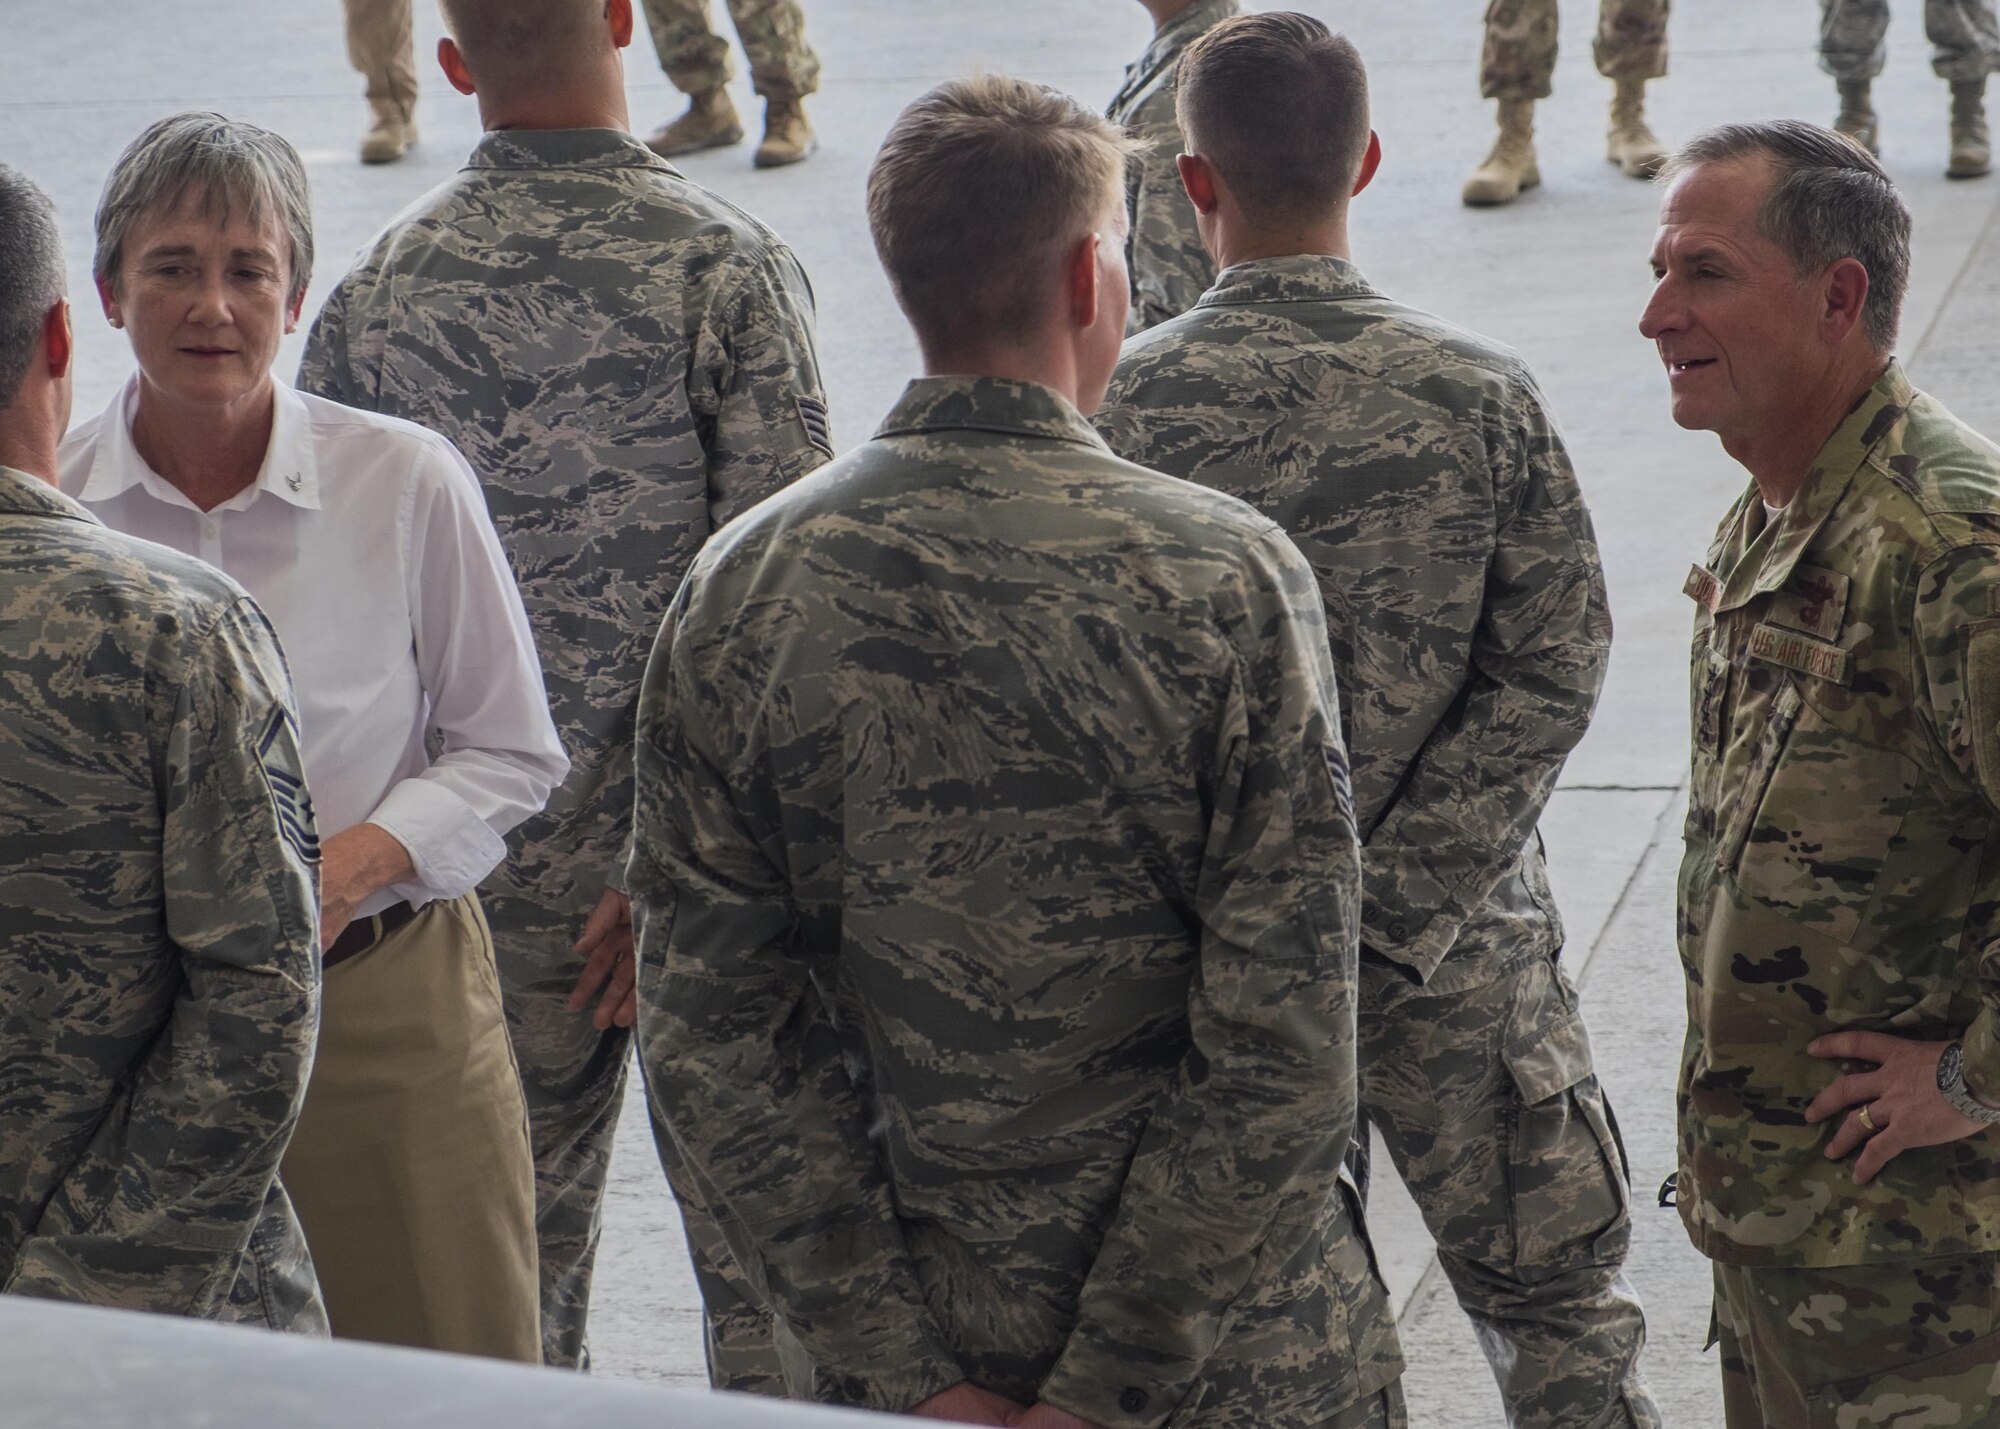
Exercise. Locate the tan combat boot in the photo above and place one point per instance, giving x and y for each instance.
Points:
(1857, 116)
(710, 123)
(391, 136)
(1511, 166)
(1630, 144)
(788, 138)
(1971, 149)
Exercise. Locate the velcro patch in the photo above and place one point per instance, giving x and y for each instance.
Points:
(1814, 601)
(1702, 588)
(1818, 658)
(812, 416)
(289, 795)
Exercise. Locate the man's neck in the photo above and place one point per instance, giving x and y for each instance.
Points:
(1051, 365)
(207, 453)
(596, 106)
(1240, 243)
(1165, 12)
(1779, 455)
(28, 442)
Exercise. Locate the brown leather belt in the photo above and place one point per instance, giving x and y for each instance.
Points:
(364, 933)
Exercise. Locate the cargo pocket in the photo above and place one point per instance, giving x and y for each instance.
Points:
(1566, 1178)
(1959, 1386)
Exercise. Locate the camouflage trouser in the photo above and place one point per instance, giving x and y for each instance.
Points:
(574, 1079)
(773, 32)
(1485, 1097)
(1853, 38)
(1519, 60)
(380, 47)
(1860, 1346)
(747, 1352)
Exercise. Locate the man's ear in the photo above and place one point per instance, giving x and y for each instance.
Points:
(58, 340)
(1080, 282)
(453, 65)
(619, 13)
(1846, 297)
(298, 308)
(108, 297)
(1371, 160)
(1198, 178)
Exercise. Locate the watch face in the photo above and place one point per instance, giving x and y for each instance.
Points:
(1949, 1064)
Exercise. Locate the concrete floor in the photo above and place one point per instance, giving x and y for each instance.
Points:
(1562, 276)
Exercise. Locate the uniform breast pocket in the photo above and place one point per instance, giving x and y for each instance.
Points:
(1828, 817)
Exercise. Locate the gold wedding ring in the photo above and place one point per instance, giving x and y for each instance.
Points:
(1868, 1121)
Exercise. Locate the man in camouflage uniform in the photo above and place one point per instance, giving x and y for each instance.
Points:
(1169, 266)
(1470, 650)
(995, 870)
(783, 70)
(159, 981)
(1518, 67)
(1839, 904)
(606, 464)
(1965, 35)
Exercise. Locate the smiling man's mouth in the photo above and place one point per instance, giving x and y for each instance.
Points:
(1690, 364)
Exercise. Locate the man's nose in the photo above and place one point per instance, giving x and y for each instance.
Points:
(1663, 312)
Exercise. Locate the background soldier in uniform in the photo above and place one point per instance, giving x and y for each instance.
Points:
(1965, 35)
(381, 47)
(1840, 894)
(159, 979)
(783, 70)
(1169, 267)
(1470, 655)
(1518, 68)
(1009, 776)
(606, 465)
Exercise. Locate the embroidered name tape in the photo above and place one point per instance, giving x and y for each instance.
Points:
(1702, 588)
(1801, 652)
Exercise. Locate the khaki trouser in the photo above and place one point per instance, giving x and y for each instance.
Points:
(380, 46)
(1866, 1346)
(1519, 59)
(773, 32)
(410, 1167)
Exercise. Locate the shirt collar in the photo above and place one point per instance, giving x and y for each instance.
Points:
(1180, 32)
(25, 495)
(1880, 412)
(1302, 278)
(563, 149)
(290, 471)
(988, 404)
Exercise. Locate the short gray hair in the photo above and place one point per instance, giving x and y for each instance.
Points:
(1832, 200)
(218, 164)
(31, 276)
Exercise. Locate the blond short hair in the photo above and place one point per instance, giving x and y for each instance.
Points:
(980, 190)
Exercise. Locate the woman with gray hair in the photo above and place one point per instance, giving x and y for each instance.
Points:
(366, 541)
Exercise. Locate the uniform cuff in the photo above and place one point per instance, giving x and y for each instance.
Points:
(1110, 1390)
(1981, 1066)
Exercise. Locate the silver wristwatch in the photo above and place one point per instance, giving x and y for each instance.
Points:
(1951, 1084)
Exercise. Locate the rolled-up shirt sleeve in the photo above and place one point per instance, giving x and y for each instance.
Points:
(497, 754)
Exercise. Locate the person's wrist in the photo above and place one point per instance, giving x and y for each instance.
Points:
(1952, 1086)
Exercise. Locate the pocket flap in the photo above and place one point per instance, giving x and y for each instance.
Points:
(1552, 1063)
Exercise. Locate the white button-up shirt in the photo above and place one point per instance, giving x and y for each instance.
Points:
(367, 543)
